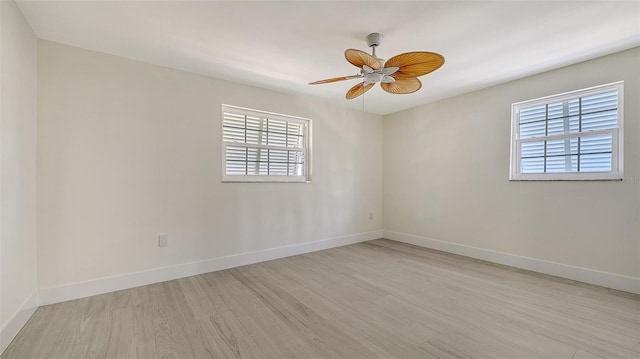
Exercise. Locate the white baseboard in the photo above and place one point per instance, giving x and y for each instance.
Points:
(18, 320)
(591, 276)
(130, 280)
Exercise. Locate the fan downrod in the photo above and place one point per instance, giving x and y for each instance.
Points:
(373, 41)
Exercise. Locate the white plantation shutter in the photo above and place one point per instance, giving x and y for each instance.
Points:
(576, 135)
(264, 147)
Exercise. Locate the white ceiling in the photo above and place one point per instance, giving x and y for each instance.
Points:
(285, 45)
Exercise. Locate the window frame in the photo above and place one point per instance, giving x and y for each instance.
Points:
(617, 146)
(305, 178)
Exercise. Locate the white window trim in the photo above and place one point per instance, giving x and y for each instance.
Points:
(306, 178)
(617, 159)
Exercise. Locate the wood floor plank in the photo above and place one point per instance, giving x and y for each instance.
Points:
(278, 340)
(94, 324)
(377, 299)
(581, 354)
(321, 334)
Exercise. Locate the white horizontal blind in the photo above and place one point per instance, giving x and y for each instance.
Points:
(260, 146)
(571, 133)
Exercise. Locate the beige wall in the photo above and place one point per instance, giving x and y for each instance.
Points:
(18, 136)
(446, 170)
(129, 150)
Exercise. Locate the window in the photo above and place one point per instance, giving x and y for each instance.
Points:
(571, 136)
(260, 146)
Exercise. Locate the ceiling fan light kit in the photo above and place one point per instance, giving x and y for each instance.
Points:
(398, 75)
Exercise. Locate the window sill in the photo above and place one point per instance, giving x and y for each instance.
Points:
(264, 179)
(568, 177)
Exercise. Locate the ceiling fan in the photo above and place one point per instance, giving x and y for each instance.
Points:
(398, 75)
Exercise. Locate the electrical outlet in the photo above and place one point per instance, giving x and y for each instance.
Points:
(163, 240)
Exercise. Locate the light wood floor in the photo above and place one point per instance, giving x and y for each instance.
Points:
(378, 299)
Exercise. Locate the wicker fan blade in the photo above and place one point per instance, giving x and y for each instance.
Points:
(402, 85)
(335, 79)
(359, 58)
(358, 90)
(413, 64)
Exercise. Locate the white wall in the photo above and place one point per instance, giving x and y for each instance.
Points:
(128, 151)
(18, 120)
(446, 170)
